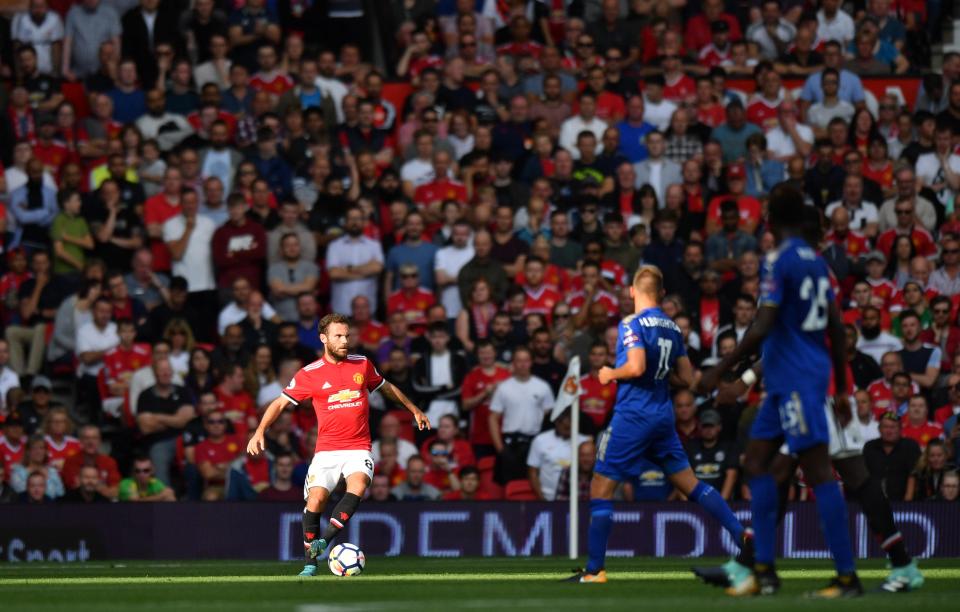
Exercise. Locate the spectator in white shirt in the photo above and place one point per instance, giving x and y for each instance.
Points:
(447, 265)
(522, 401)
(549, 455)
(833, 23)
(354, 263)
(773, 33)
(586, 120)
(43, 29)
(790, 137)
(940, 169)
(657, 110)
(8, 378)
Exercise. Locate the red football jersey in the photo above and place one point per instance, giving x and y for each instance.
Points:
(554, 277)
(679, 89)
(474, 383)
(11, 453)
(922, 434)
(240, 410)
(576, 300)
(540, 300)
(761, 112)
(372, 333)
(596, 399)
(922, 241)
(856, 245)
(440, 190)
(883, 290)
(57, 453)
(413, 306)
(157, 209)
(119, 362)
(340, 398)
(942, 415)
(882, 396)
(276, 84)
(223, 451)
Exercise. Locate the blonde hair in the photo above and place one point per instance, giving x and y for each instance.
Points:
(648, 280)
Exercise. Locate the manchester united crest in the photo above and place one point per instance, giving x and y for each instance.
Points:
(570, 385)
(358, 378)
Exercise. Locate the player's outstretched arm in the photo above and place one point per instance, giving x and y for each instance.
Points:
(766, 317)
(256, 445)
(634, 367)
(392, 393)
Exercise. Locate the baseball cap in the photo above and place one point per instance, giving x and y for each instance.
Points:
(13, 420)
(736, 171)
(41, 382)
(890, 416)
(876, 256)
(710, 417)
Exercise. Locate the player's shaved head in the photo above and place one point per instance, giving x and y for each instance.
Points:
(648, 280)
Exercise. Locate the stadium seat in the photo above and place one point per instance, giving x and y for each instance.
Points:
(519, 490)
(488, 486)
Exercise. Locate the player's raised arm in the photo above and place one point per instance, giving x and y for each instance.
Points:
(766, 317)
(392, 393)
(256, 444)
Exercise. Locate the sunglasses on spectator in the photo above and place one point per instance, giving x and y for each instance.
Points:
(589, 211)
(901, 211)
(215, 421)
(468, 43)
(941, 311)
(414, 275)
(887, 107)
(143, 470)
(585, 43)
(561, 315)
(951, 251)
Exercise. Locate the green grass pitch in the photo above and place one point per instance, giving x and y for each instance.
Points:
(399, 584)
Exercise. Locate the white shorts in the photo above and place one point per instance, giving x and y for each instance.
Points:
(844, 441)
(328, 466)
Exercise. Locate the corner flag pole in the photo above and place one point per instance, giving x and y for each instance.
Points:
(574, 526)
(569, 397)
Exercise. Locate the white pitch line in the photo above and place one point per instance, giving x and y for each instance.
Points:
(483, 577)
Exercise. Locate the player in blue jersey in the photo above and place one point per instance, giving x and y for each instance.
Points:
(650, 355)
(797, 313)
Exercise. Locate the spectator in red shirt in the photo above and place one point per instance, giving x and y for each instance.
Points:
(596, 398)
(698, 30)
(156, 210)
(540, 298)
(282, 488)
(469, 481)
(411, 299)
(389, 465)
(270, 78)
(214, 455)
(235, 403)
(907, 225)
(90, 455)
(749, 207)
(239, 246)
(917, 425)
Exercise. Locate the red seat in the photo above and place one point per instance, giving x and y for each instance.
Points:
(488, 486)
(486, 464)
(520, 490)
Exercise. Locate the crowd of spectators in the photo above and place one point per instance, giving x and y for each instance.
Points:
(188, 186)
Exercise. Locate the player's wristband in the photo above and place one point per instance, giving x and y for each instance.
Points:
(749, 378)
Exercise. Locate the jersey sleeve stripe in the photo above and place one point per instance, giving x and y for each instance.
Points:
(383, 381)
(290, 399)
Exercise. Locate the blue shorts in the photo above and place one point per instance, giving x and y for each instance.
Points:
(631, 439)
(799, 417)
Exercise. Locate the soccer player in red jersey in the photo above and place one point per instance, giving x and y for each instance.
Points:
(339, 385)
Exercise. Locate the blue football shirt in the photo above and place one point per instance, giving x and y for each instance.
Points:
(656, 333)
(796, 281)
